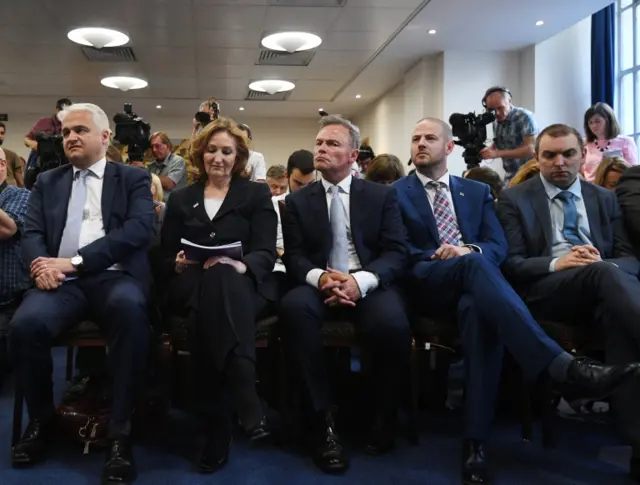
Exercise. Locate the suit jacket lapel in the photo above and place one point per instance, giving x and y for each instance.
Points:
(461, 209)
(109, 183)
(355, 212)
(63, 194)
(418, 197)
(593, 214)
(320, 214)
(236, 194)
(540, 203)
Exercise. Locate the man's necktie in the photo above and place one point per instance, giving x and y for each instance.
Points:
(339, 256)
(448, 229)
(70, 242)
(570, 226)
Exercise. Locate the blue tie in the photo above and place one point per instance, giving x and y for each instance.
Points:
(339, 256)
(70, 242)
(570, 226)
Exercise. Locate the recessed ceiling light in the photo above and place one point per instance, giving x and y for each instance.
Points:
(539, 23)
(291, 41)
(320, 109)
(432, 32)
(271, 86)
(124, 83)
(358, 96)
(158, 107)
(98, 37)
(241, 108)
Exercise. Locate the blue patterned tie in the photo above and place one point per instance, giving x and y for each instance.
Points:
(570, 226)
(448, 229)
(70, 242)
(339, 256)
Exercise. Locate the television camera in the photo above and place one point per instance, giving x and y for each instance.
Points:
(133, 131)
(471, 131)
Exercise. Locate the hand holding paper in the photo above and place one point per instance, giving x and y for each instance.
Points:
(197, 252)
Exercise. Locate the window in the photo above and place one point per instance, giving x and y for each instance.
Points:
(628, 62)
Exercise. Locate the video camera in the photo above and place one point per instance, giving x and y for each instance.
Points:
(49, 155)
(204, 118)
(471, 131)
(133, 131)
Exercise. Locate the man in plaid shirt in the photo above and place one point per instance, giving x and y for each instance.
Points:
(514, 132)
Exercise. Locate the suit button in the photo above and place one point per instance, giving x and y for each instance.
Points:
(212, 235)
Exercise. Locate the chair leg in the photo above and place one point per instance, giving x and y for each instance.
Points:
(548, 413)
(413, 432)
(69, 370)
(526, 414)
(18, 401)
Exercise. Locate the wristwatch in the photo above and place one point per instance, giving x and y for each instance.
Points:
(76, 262)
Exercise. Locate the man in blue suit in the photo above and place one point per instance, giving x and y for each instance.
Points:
(87, 230)
(456, 245)
(571, 260)
(345, 249)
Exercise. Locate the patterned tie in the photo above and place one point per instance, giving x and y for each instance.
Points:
(570, 226)
(339, 256)
(447, 224)
(70, 242)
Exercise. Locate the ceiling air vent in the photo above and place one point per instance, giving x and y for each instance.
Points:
(277, 58)
(307, 3)
(109, 54)
(259, 96)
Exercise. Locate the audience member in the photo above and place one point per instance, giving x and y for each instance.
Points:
(570, 259)
(15, 164)
(225, 295)
(49, 125)
(170, 167)
(113, 154)
(609, 172)
(628, 193)
(256, 166)
(365, 155)
(87, 229)
(345, 248)
(456, 246)
(527, 171)
(208, 111)
(604, 140)
(277, 180)
(157, 193)
(384, 169)
(487, 176)
(514, 131)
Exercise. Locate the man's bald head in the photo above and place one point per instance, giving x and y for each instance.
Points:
(446, 133)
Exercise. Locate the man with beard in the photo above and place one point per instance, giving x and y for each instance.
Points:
(456, 246)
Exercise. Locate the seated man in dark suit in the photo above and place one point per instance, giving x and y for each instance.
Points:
(345, 249)
(456, 246)
(88, 226)
(570, 259)
(628, 193)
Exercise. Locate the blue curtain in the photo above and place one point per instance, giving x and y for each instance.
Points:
(603, 63)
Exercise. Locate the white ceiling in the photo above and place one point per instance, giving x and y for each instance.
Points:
(192, 49)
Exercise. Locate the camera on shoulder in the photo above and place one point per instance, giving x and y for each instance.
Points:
(471, 133)
(133, 131)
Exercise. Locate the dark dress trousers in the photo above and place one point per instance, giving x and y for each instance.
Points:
(380, 318)
(115, 300)
(604, 293)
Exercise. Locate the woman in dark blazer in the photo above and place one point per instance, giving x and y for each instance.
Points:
(223, 296)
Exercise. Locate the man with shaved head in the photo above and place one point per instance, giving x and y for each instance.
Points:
(456, 246)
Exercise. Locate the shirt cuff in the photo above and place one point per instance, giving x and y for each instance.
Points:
(367, 282)
(473, 247)
(313, 277)
(552, 265)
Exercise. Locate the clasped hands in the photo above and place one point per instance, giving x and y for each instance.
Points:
(578, 257)
(49, 273)
(449, 251)
(339, 288)
(182, 262)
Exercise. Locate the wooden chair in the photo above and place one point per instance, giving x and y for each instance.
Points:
(85, 334)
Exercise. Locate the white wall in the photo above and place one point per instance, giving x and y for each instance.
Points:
(276, 138)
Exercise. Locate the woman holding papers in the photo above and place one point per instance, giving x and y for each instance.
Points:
(227, 226)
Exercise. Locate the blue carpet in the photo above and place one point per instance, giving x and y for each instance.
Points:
(587, 454)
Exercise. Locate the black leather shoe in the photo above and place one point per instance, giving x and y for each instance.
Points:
(382, 439)
(589, 380)
(329, 455)
(259, 431)
(474, 466)
(215, 453)
(31, 448)
(119, 467)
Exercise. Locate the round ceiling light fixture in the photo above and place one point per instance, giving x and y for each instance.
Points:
(539, 23)
(124, 83)
(271, 86)
(291, 41)
(98, 37)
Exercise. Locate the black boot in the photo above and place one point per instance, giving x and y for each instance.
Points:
(474, 466)
(119, 466)
(383, 434)
(32, 447)
(215, 453)
(328, 455)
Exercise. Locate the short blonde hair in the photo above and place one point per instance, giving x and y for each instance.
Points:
(155, 181)
(527, 171)
(609, 164)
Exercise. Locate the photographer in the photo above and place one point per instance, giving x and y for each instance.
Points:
(514, 131)
(208, 111)
(49, 125)
(169, 167)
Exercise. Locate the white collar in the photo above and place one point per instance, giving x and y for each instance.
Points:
(425, 180)
(96, 169)
(344, 184)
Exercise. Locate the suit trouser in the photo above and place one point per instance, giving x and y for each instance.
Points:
(381, 322)
(609, 297)
(490, 315)
(116, 302)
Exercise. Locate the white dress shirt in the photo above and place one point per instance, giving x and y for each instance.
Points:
(257, 165)
(212, 206)
(92, 227)
(366, 281)
(279, 266)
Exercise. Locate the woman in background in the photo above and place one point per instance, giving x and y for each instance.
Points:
(158, 205)
(384, 169)
(604, 140)
(609, 172)
(524, 173)
(487, 176)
